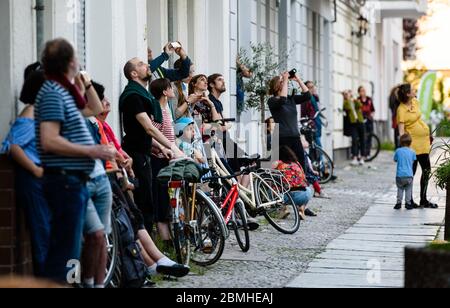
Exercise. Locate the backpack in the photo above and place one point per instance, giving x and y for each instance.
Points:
(134, 269)
(182, 170)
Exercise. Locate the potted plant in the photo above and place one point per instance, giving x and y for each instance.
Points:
(428, 267)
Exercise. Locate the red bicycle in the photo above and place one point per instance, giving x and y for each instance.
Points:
(232, 207)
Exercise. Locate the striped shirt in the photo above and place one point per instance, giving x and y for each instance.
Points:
(55, 104)
(166, 128)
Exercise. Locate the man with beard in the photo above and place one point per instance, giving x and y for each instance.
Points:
(216, 87)
(138, 108)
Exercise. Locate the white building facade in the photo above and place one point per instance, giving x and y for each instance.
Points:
(107, 33)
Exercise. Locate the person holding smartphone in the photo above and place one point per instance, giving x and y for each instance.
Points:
(284, 111)
(173, 75)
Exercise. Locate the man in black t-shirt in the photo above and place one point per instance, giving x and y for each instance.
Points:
(139, 108)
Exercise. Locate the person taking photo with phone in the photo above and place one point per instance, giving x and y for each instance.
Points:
(173, 75)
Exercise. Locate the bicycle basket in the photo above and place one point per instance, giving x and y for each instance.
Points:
(276, 177)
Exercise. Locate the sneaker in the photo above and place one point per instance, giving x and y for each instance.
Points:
(398, 206)
(252, 224)
(409, 207)
(176, 270)
(429, 205)
(354, 162)
(362, 162)
(310, 213)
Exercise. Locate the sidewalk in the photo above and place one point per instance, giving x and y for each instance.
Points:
(371, 253)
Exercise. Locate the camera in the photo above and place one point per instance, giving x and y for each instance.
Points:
(292, 74)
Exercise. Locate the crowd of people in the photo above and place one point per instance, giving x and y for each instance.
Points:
(359, 123)
(413, 139)
(73, 165)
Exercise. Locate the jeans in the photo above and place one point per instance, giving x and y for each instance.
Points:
(98, 215)
(358, 140)
(369, 126)
(143, 194)
(67, 198)
(405, 186)
(301, 198)
(30, 198)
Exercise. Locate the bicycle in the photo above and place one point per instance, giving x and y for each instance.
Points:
(232, 207)
(321, 161)
(198, 228)
(373, 145)
(264, 197)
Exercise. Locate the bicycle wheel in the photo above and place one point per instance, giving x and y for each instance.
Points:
(323, 164)
(283, 214)
(180, 230)
(208, 231)
(240, 226)
(375, 148)
(113, 267)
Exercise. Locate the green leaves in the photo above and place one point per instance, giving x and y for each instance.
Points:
(263, 63)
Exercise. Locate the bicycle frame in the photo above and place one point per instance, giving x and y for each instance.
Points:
(230, 201)
(175, 189)
(247, 195)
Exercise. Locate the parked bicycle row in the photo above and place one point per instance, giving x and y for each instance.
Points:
(96, 206)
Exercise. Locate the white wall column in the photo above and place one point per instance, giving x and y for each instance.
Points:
(18, 50)
(219, 46)
(157, 24)
(113, 37)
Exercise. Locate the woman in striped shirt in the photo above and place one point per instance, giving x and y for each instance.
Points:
(163, 91)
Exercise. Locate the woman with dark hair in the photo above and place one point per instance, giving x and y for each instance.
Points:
(301, 191)
(393, 105)
(409, 118)
(284, 112)
(163, 91)
(368, 110)
(204, 107)
(20, 144)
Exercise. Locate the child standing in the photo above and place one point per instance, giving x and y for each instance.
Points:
(405, 158)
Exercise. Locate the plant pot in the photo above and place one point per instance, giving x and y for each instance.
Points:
(427, 268)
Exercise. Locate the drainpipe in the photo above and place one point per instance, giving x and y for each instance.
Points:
(335, 11)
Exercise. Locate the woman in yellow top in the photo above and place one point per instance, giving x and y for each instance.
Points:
(410, 121)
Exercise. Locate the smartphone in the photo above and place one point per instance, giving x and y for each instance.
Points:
(176, 45)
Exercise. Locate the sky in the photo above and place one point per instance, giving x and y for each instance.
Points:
(433, 41)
